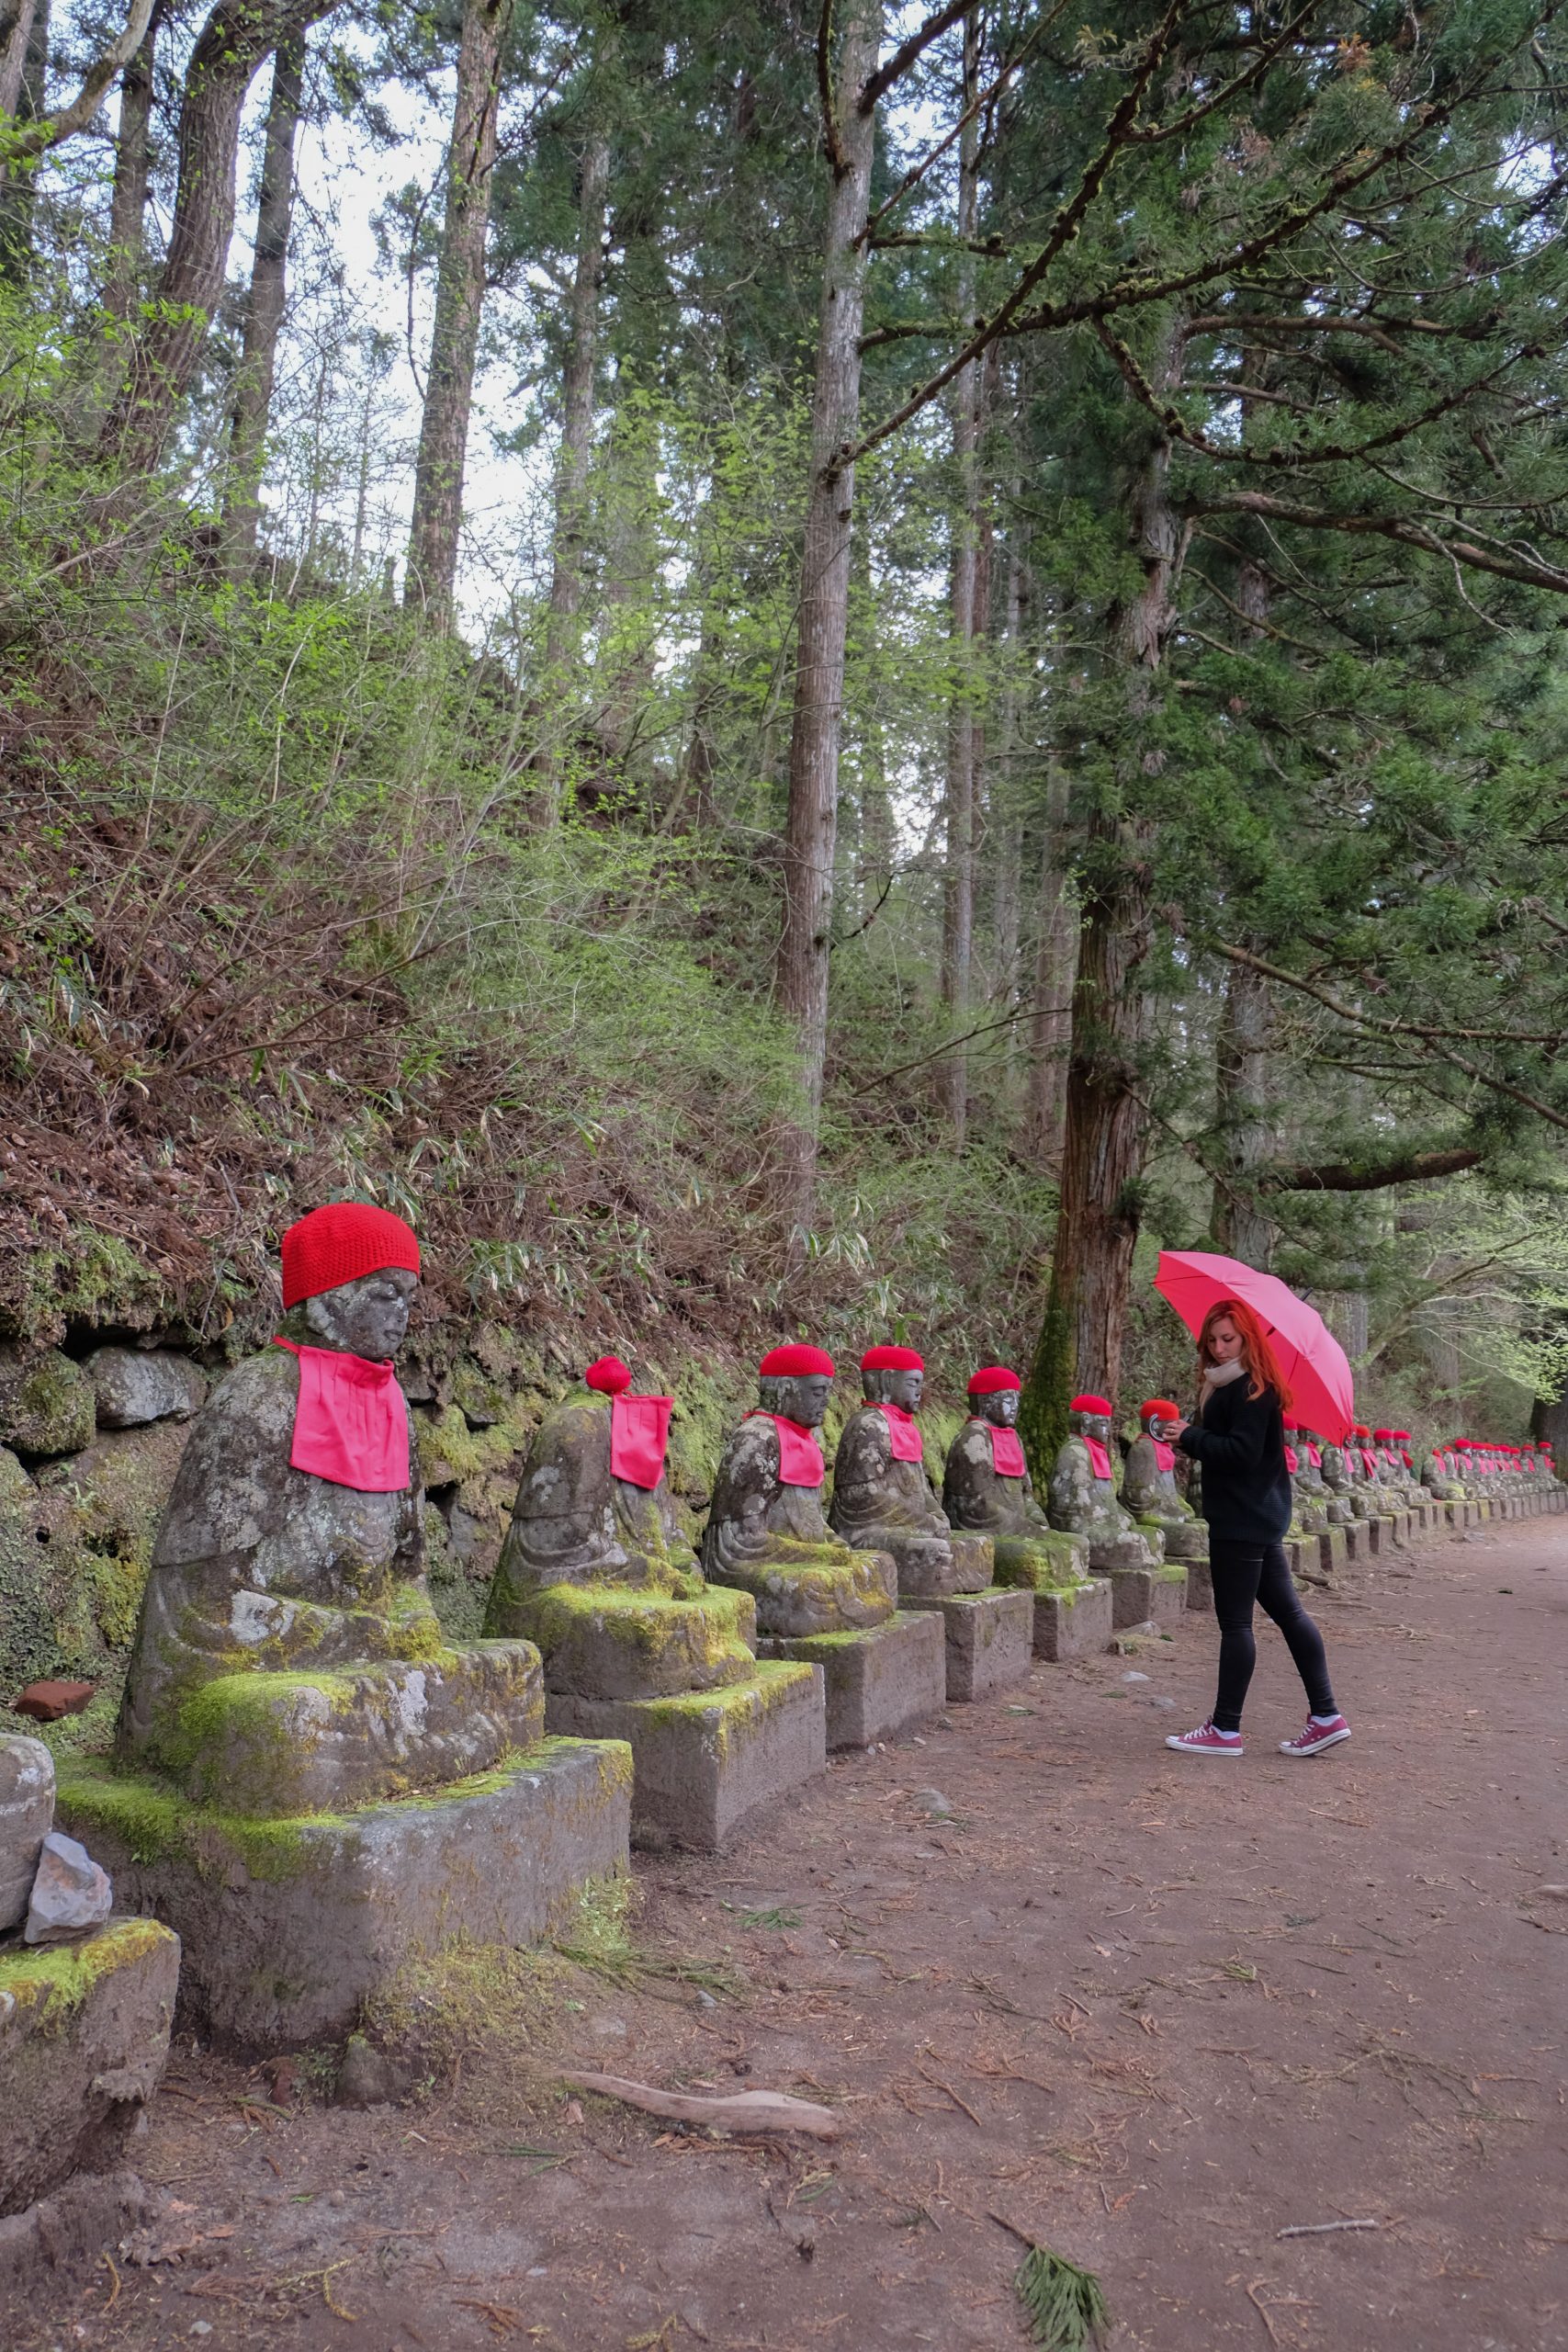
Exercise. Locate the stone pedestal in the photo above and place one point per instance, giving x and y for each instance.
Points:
(1073, 1622)
(288, 1924)
(84, 2037)
(1333, 1551)
(989, 1639)
(880, 1682)
(1200, 1586)
(706, 1758)
(1145, 1595)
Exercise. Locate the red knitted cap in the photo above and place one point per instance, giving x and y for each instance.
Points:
(1086, 1403)
(609, 1375)
(991, 1378)
(1382, 1436)
(1360, 1429)
(789, 1362)
(1167, 1412)
(1289, 1420)
(890, 1359)
(341, 1242)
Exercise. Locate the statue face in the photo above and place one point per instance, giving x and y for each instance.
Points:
(1000, 1407)
(368, 1317)
(902, 1388)
(803, 1398)
(1096, 1425)
(1160, 1425)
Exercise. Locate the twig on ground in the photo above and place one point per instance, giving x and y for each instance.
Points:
(1322, 2228)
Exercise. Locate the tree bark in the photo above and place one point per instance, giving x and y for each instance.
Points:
(811, 827)
(876, 851)
(964, 629)
(562, 636)
(1374, 1176)
(459, 300)
(264, 312)
(17, 191)
(133, 169)
(163, 353)
(1049, 1027)
(1237, 1220)
(1106, 1138)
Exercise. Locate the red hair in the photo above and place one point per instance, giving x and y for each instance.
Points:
(1258, 1357)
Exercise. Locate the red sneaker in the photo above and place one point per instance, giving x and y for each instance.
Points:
(1317, 1737)
(1206, 1741)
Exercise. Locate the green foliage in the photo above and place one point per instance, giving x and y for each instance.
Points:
(1065, 2307)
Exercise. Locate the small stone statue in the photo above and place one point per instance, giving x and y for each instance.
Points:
(1083, 1500)
(986, 1491)
(766, 1532)
(1311, 1480)
(1437, 1476)
(595, 1568)
(1149, 1484)
(1309, 1511)
(1361, 1473)
(883, 1501)
(287, 1657)
(1393, 1468)
(1337, 1477)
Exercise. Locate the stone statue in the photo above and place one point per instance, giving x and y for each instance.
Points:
(1309, 1510)
(1342, 1490)
(1083, 1500)
(1393, 1467)
(766, 1532)
(1149, 1484)
(1314, 1457)
(883, 1501)
(595, 1568)
(986, 1491)
(287, 1660)
(1438, 1476)
(596, 1571)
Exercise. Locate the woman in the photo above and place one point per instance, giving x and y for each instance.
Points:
(1238, 1435)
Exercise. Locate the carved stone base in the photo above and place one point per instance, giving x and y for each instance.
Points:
(878, 1683)
(1200, 1587)
(84, 2036)
(989, 1639)
(1073, 1622)
(288, 1925)
(1333, 1552)
(705, 1760)
(1141, 1596)
(1188, 1539)
(1116, 1554)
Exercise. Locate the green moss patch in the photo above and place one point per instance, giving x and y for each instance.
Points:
(52, 1985)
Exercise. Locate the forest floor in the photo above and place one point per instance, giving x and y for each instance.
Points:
(1153, 2010)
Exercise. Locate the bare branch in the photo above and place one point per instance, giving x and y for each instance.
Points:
(24, 140)
(906, 55)
(1413, 1168)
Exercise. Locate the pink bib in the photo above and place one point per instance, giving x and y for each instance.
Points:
(800, 1456)
(640, 1432)
(1007, 1453)
(351, 1422)
(1369, 1462)
(1098, 1457)
(903, 1433)
(1164, 1454)
(1314, 1457)
(1292, 1461)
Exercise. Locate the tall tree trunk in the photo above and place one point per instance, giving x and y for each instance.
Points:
(17, 26)
(264, 312)
(18, 189)
(1106, 1138)
(132, 167)
(1237, 1218)
(963, 627)
(459, 299)
(562, 636)
(1049, 1028)
(811, 827)
(1005, 831)
(163, 353)
(874, 810)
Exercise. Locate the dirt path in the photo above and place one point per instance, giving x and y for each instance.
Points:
(1150, 2008)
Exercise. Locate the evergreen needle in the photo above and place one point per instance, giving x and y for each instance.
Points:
(1065, 2306)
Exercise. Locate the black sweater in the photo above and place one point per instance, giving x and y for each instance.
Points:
(1240, 1442)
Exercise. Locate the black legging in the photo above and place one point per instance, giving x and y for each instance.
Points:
(1245, 1573)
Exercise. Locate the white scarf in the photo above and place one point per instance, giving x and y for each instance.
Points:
(1219, 1375)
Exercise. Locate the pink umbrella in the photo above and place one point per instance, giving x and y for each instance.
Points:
(1311, 1359)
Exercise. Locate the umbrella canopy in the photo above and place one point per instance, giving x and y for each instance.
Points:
(1311, 1359)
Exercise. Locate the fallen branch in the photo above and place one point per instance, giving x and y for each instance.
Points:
(739, 2111)
(1322, 2228)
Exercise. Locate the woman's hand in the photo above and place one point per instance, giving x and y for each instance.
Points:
(1181, 1426)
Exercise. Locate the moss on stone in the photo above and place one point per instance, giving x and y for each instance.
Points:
(704, 1628)
(53, 1984)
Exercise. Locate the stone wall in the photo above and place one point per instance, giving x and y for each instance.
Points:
(90, 1440)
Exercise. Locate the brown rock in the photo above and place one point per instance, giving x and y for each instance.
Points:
(46, 1702)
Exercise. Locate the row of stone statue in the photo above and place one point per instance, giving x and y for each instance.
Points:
(313, 1783)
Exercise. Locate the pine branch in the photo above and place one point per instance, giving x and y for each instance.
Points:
(1065, 2306)
(903, 57)
(1414, 1168)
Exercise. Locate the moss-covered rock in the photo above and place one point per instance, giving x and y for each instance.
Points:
(46, 1402)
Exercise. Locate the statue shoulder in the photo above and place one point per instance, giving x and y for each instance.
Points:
(569, 1455)
(751, 1451)
(229, 1493)
(972, 1444)
(866, 1429)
